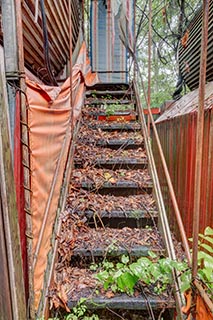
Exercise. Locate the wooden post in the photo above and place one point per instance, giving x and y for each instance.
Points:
(14, 69)
(10, 215)
(5, 294)
(199, 139)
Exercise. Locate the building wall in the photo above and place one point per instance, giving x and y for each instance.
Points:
(109, 56)
(178, 137)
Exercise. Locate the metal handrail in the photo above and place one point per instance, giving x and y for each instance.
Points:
(159, 200)
(166, 171)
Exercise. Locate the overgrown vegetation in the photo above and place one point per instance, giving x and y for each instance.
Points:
(157, 272)
(205, 259)
(123, 276)
(79, 312)
(151, 272)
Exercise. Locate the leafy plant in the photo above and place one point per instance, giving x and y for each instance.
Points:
(205, 259)
(123, 276)
(78, 313)
(111, 109)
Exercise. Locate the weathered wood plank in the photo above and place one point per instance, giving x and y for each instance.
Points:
(5, 297)
(10, 215)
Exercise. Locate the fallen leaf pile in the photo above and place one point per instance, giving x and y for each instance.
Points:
(126, 238)
(89, 155)
(100, 176)
(95, 123)
(80, 201)
(87, 135)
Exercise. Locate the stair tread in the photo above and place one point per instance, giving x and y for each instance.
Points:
(81, 201)
(117, 143)
(90, 153)
(93, 101)
(110, 86)
(139, 251)
(123, 301)
(117, 184)
(107, 92)
(118, 160)
(127, 214)
(122, 160)
(114, 126)
(118, 241)
(98, 112)
(114, 163)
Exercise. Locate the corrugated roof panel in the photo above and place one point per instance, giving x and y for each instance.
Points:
(188, 104)
(189, 50)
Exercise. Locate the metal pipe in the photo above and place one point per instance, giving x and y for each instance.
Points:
(25, 154)
(171, 191)
(149, 63)
(70, 42)
(159, 200)
(166, 171)
(168, 179)
(199, 138)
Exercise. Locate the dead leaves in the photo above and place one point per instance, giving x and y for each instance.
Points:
(58, 298)
(126, 238)
(185, 38)
(91, 136)
(81, 201)
(100, 176)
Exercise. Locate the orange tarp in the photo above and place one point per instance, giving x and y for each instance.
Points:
(49, 121)
(201, 310)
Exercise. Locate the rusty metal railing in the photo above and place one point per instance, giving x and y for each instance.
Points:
(163, 161)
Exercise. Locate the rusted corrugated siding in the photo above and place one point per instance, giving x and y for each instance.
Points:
(189, 50)
(177, 136)
(58, 34)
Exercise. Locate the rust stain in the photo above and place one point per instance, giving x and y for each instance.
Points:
(178, 141)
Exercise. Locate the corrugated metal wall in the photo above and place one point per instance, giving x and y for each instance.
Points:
(178, 136)
(189, 50)
(58, 35)
(108, 54)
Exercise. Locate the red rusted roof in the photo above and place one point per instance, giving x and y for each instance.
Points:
(188, 104)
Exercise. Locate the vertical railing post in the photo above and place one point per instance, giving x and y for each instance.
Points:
(70, 42)
(199, 138)
(149, 63)
(25, 155)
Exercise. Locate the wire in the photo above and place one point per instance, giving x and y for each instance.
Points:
(46, 45)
